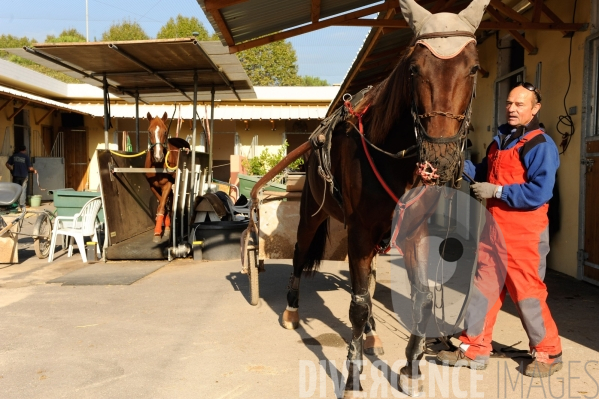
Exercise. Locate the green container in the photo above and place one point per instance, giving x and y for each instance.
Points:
(246, 183)
(68, 201)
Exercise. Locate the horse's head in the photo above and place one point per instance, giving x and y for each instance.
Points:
(157, 131)
(442, 67)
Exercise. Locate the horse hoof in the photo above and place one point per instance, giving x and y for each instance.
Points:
(409, 385)
(156, 239)
(374, 351)
(353, 394)
(373, 345)
(290, 320)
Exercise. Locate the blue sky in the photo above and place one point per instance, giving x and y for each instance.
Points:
(327, 53)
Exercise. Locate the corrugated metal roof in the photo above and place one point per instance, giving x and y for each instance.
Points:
(253, 19)
(221, 111)
(40, 100)
(160, 70)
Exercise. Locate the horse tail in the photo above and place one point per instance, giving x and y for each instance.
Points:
(315, 252)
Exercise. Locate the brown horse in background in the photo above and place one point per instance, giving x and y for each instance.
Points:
(162, 154)
(424, 105)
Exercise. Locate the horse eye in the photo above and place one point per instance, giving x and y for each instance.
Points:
(414, 69)
(474, 69)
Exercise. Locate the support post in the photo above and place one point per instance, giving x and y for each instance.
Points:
(136, 121)
(193, 147)
(211, 136)
(106, 116)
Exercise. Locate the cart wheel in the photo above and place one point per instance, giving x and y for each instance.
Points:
(43, 230)
(252, 259)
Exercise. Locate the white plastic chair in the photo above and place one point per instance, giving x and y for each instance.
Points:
(83, 224)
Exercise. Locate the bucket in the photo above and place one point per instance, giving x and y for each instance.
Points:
(36, 200)
(90, 251)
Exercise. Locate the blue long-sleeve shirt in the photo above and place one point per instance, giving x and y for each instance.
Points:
(540, 162)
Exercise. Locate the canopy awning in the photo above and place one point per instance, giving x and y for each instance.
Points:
(221, 112)
(156, 70)
(21, 95)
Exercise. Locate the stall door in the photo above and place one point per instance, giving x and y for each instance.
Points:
(76, 160)
(588, 254)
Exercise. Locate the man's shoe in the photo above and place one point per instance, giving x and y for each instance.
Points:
(538, 369)
(457, 358)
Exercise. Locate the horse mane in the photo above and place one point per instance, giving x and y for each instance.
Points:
(388, 100)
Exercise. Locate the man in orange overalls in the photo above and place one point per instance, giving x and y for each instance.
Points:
(517, 175)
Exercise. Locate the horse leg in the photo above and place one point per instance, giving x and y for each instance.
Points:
(372, 344)
(360, 310)
(167, 216)
(160, 212)
(416, 257)
(309, 249)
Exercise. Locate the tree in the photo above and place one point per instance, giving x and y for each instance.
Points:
(182, 27)
(9, 41)
(274, 64)
(66, 36)
(125, 30)
(312, 81)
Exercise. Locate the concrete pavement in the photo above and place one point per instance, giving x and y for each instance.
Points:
(187, 331)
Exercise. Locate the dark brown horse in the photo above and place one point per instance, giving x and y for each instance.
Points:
(423, 105)
(162, 154)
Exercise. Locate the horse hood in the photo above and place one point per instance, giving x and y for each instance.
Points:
(423, 22)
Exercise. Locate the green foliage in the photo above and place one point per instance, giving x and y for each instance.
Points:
(66, 36)
(125, 30)
(312, 81)
(182, 27)
(274, 64)
(264, 162)
(9, 41)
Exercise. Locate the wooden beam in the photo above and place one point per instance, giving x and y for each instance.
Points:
(538, 9)
(553, 17)
(18, 110)
(38, 121)
(5, 104)
(437, 6)
(515, 34)
(507, 11)
(315, 11)
(442, 5)
(484, 25)
(213, 5)
(377, 35)
(222, 26)
(389, 4)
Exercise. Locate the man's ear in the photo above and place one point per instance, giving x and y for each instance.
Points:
(536, 108)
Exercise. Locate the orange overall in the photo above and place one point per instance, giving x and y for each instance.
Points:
(524, 245)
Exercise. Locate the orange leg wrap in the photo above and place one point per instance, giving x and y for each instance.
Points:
(158, 228)
(167, 221)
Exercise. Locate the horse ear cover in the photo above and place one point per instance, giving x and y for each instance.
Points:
(416, 15)
(474, 13)
(423, 22)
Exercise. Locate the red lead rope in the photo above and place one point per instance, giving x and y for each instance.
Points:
(374, 169)
(402, 206)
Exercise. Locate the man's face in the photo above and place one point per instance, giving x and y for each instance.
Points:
(519, 109)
